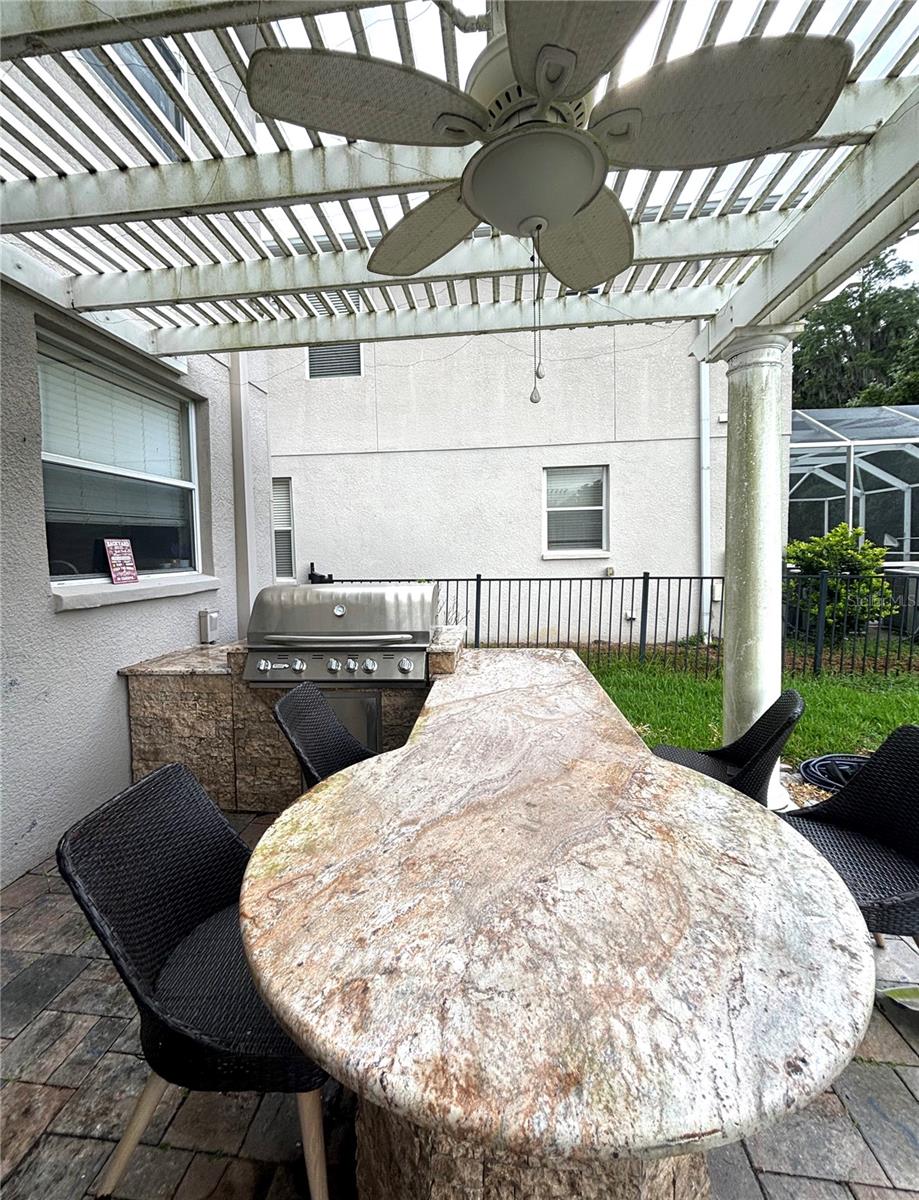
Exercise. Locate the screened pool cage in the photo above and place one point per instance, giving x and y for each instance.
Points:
(859, 466)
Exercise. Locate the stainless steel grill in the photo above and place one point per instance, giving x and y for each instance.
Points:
(357, 636)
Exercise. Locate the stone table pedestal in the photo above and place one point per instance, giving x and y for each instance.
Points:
(397, 1160)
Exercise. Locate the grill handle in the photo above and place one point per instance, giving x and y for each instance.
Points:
(371, 639)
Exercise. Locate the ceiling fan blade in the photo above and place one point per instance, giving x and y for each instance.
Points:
(595, 32)
(723, 103)
(362, 98)
(424, 234)
(591, 248)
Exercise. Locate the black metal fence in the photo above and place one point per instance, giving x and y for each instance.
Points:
(831, 623)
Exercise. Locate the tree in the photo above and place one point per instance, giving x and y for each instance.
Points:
(904, 383)
(851, 346)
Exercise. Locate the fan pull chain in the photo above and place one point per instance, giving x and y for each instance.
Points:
(539, 371)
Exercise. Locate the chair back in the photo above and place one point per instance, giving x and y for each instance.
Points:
(319, 740)
(758, 750)
(148, 867)
(881, 800)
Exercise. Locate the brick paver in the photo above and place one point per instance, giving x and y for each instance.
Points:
(72, 1068)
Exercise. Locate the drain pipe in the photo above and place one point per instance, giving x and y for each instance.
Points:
(243, 493)
(703, 381)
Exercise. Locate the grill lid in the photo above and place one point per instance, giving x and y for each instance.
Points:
(326, 614)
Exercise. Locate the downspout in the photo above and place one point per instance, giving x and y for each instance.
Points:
(243, 493)
(703, 383)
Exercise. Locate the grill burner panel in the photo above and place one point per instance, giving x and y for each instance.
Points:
(359, 636)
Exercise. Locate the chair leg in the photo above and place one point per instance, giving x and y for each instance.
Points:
(309, 1108)
(879, 940)
(140, 1119)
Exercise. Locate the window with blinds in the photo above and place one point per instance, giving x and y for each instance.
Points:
(329, 362)
(117, 463)
(282, 526)
(576, 507)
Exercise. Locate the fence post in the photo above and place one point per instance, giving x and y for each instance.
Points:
(643, 624)
(478, 610)
(821, 623)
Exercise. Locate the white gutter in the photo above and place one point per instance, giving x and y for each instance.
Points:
(243, 494)
(705, 484)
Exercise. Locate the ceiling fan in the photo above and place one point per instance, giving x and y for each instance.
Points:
(547, 148)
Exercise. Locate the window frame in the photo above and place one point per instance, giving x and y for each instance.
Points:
(174, 115)
(83, 360)
(284, 529)
(603, 551)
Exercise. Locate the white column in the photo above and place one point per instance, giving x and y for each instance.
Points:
(243, 495)
(754, 528)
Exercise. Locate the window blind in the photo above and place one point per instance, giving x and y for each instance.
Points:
(97, 420)
(282, 520)
(77, 496)
(574, 487)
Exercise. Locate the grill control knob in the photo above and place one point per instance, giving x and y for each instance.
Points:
(369, 665)
(298, 664)
(405, 665)
(351, 664)
(333, 665)
(263, 664)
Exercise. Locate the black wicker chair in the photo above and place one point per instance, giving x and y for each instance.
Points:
(748, 763)
(318, 738)
(869, 831)
(157, 871)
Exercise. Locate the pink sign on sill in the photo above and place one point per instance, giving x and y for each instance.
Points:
(120, 560)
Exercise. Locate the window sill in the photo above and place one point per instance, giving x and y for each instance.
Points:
(96, 593)
(551, 554)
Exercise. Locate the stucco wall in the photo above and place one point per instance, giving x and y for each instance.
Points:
(65, 728)
(431, 462)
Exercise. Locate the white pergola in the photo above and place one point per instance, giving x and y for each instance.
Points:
(140, 193)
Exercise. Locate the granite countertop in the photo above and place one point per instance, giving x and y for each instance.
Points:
(524, 928)
(193, 660)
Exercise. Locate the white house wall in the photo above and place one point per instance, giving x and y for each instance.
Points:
(430, 464)
(65, 709)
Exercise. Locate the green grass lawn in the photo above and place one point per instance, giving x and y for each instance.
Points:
(844, 714)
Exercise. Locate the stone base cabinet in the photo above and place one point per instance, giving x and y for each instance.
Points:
(192, 706)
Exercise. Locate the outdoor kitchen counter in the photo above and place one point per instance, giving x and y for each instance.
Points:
(534, 947)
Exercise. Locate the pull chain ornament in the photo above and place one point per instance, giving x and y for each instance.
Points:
(539, 371)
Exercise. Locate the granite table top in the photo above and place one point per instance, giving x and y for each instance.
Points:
(523, 928)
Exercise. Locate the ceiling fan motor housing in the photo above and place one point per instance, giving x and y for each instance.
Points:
(493, 84)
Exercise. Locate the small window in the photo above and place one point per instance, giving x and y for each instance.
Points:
(328, 362)
(147, 79)
(576, 507)
(282, 525)
(117, 462)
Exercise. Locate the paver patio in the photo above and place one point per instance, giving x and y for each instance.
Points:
(72, 1069)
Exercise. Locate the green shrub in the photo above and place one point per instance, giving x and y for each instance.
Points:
(857, 592)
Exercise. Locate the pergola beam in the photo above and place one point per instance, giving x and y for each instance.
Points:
(33, 27)
(265, 180)
(665, 241)
(314, 175)
(872, 199)
(24, 271)
(506, 316)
